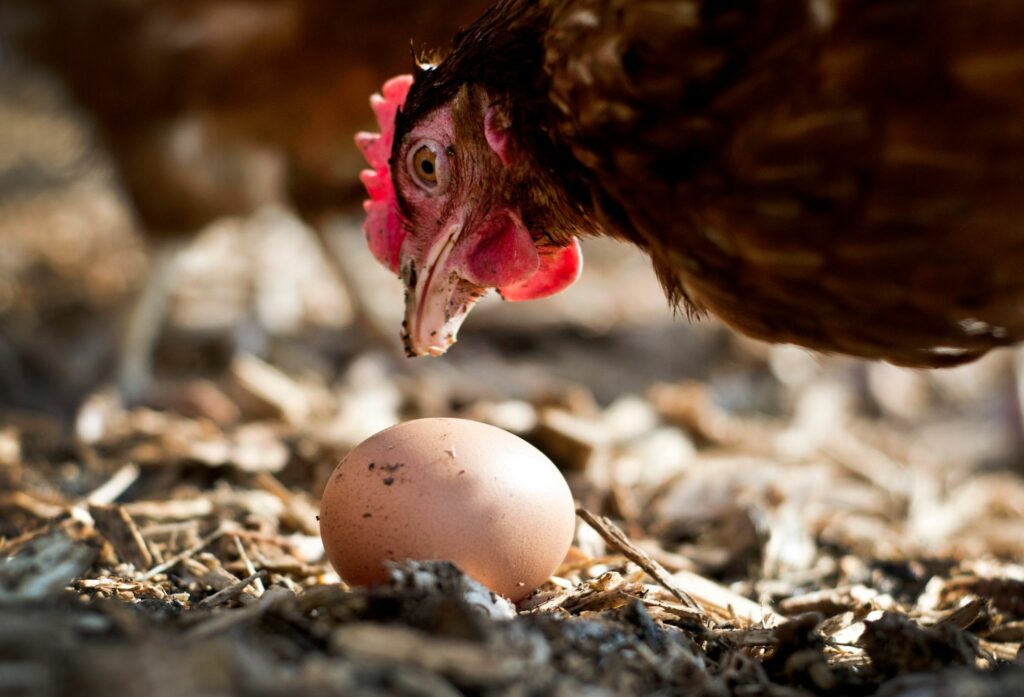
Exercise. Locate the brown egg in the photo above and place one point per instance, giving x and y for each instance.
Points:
(448, 489)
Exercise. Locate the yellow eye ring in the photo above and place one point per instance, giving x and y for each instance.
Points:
(427, 165)
(424, 165)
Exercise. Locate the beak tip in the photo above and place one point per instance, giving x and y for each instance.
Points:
(415, 349)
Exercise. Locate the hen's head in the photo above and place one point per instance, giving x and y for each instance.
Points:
(452, 212)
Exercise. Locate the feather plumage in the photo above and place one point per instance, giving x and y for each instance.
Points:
(844, 175)
(847, 175)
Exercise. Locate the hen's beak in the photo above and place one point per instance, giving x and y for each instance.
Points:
(437, 299)
(444, 281)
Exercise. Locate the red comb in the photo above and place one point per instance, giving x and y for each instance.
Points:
(383, 226)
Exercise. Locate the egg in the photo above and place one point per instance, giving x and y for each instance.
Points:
(448, 489)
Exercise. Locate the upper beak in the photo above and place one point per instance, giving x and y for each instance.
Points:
(437, 299)
(444, 281)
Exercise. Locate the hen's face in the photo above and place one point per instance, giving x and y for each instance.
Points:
(448, 221)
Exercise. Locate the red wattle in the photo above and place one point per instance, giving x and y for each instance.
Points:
(504, 255)
(559, 268)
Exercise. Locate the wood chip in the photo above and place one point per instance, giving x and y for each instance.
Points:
(718, 600)
(10, 446)
(573, 442)
(115, 524)
(827, 601)
(228, 594)
(965, 615)
(271, 387)
(30, 504)
(112, 489)
(172, 509)
(209, 539)
(301, 513)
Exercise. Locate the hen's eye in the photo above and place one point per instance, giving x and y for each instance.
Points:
(427, 164)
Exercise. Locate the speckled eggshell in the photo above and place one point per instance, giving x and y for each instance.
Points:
(448, 489)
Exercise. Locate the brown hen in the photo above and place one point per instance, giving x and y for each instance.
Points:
(847, 175)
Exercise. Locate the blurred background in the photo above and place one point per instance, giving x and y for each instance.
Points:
(180, 234)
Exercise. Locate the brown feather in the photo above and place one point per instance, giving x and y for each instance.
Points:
(848, 176)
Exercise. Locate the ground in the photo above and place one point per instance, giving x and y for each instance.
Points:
(752, 520)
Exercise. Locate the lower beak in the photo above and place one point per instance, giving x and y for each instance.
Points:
(437, 300)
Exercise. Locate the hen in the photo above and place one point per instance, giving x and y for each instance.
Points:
(847, 175)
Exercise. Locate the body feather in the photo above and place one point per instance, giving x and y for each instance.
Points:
(848, 176)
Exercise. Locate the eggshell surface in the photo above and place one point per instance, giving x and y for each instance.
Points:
(448, 489)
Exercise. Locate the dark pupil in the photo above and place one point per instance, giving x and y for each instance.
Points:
(427, 166)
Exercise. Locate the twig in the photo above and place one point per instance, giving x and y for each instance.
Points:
(233, 591)
(109, 491)
(159, 568)
(115, 524)
(719, 601)
(615, 537)
(679, 611)
(249, 568)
